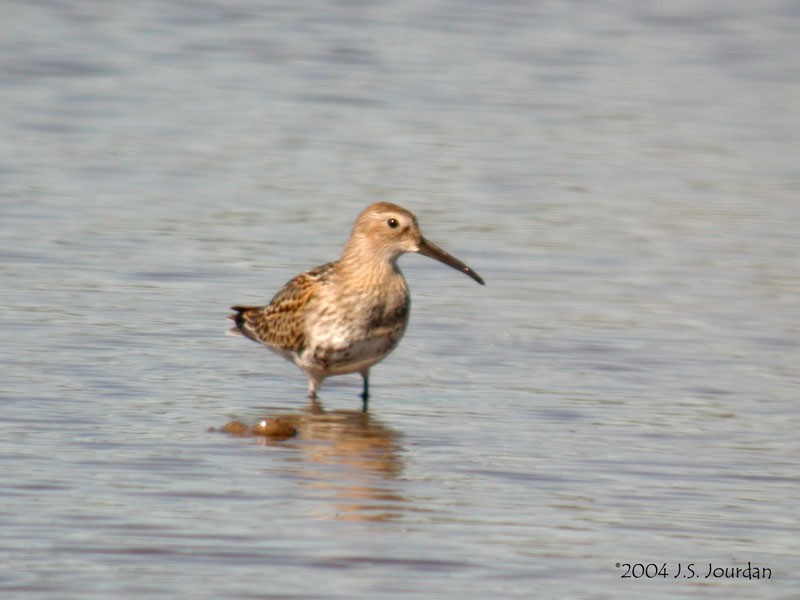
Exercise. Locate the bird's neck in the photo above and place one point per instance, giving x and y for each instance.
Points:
(364, 264)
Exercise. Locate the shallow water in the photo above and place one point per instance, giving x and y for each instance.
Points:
(623, 390)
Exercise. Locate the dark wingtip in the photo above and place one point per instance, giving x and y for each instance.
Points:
(238, 318)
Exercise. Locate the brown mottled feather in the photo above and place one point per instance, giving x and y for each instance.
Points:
(281, 323)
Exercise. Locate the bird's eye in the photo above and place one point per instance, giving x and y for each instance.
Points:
(392, 223)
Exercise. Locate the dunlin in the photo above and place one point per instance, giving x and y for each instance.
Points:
(345, 316)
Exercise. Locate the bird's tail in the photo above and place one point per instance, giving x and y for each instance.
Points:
(240, 320)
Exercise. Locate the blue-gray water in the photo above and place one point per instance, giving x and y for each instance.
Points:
(625, 176)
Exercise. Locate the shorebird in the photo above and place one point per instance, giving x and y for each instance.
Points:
(346, 315)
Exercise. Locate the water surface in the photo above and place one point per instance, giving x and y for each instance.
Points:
(624, 389)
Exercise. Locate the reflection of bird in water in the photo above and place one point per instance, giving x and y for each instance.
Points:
(354, 439)
(345, 316)
(348, 453)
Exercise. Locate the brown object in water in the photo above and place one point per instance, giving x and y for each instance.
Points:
(275, 428)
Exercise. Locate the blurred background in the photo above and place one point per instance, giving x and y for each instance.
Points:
(624, 175)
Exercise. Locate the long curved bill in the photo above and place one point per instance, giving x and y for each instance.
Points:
(432, 250)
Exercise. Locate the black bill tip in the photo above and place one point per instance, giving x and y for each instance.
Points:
(431, 250)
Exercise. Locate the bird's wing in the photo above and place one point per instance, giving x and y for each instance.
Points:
(281, 323)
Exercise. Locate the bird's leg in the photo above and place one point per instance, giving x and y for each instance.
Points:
(365, 393)
(313, 385)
